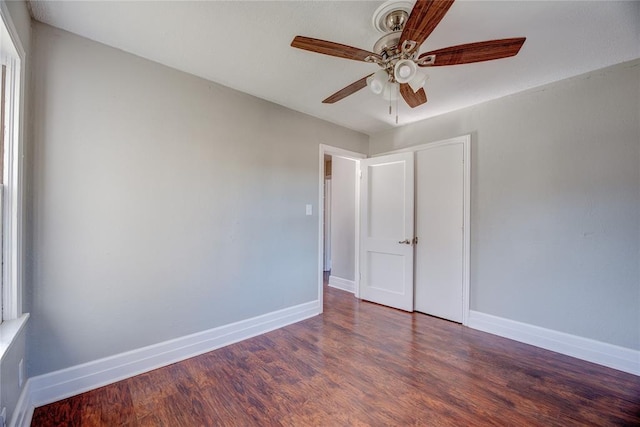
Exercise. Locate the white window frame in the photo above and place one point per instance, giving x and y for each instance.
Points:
(12, 211)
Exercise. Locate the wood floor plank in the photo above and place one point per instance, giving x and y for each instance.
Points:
(361, 364)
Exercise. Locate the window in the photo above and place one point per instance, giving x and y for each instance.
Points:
(11, 54)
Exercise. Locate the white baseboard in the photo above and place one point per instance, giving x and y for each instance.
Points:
(613, 356)
(54, 386)
(344, 284)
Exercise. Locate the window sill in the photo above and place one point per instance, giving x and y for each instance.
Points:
(9, 331)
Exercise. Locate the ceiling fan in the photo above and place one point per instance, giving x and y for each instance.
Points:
(396, 52)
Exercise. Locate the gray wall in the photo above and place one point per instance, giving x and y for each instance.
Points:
(555, 202)
(343, 217)
(163, 204)
(9, 387)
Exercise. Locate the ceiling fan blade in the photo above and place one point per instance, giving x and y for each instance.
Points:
(346, 91)
(424, 18)
(413, 99)
(475, 52)
(331, 48)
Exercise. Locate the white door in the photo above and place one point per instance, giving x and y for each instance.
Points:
(439, 227)
(386, 230)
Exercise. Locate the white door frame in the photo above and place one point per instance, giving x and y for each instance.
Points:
(340, 152)
(466, 240)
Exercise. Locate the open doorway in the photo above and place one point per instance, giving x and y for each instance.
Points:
(338, 238)
(340, 222)
(326, 212)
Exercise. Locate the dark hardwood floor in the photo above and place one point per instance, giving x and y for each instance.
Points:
(361, 364)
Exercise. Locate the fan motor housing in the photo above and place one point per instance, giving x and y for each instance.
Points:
(391, 15)
(386, 46)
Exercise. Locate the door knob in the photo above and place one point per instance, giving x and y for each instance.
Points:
(405, 241)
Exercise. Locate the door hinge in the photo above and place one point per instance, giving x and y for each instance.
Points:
(415, 240)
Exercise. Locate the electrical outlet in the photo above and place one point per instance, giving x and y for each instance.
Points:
(20, 373)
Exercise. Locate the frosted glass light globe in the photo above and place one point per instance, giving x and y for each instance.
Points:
(377, 81)
(404, 70)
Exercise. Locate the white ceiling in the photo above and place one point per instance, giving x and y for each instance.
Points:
(246, 46)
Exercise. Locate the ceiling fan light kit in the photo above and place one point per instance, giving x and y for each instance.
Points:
(404, 70)
(406, 26)
(390, 92)
(418, 81)
(377, 81)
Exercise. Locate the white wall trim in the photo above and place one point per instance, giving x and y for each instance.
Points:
(434, 144)
(335, 151)
(13, 200)
(466, 242)
(344, 284)
(9, 331)
(51, 387)
(610, 355)
(356, 246)
(23, 412)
